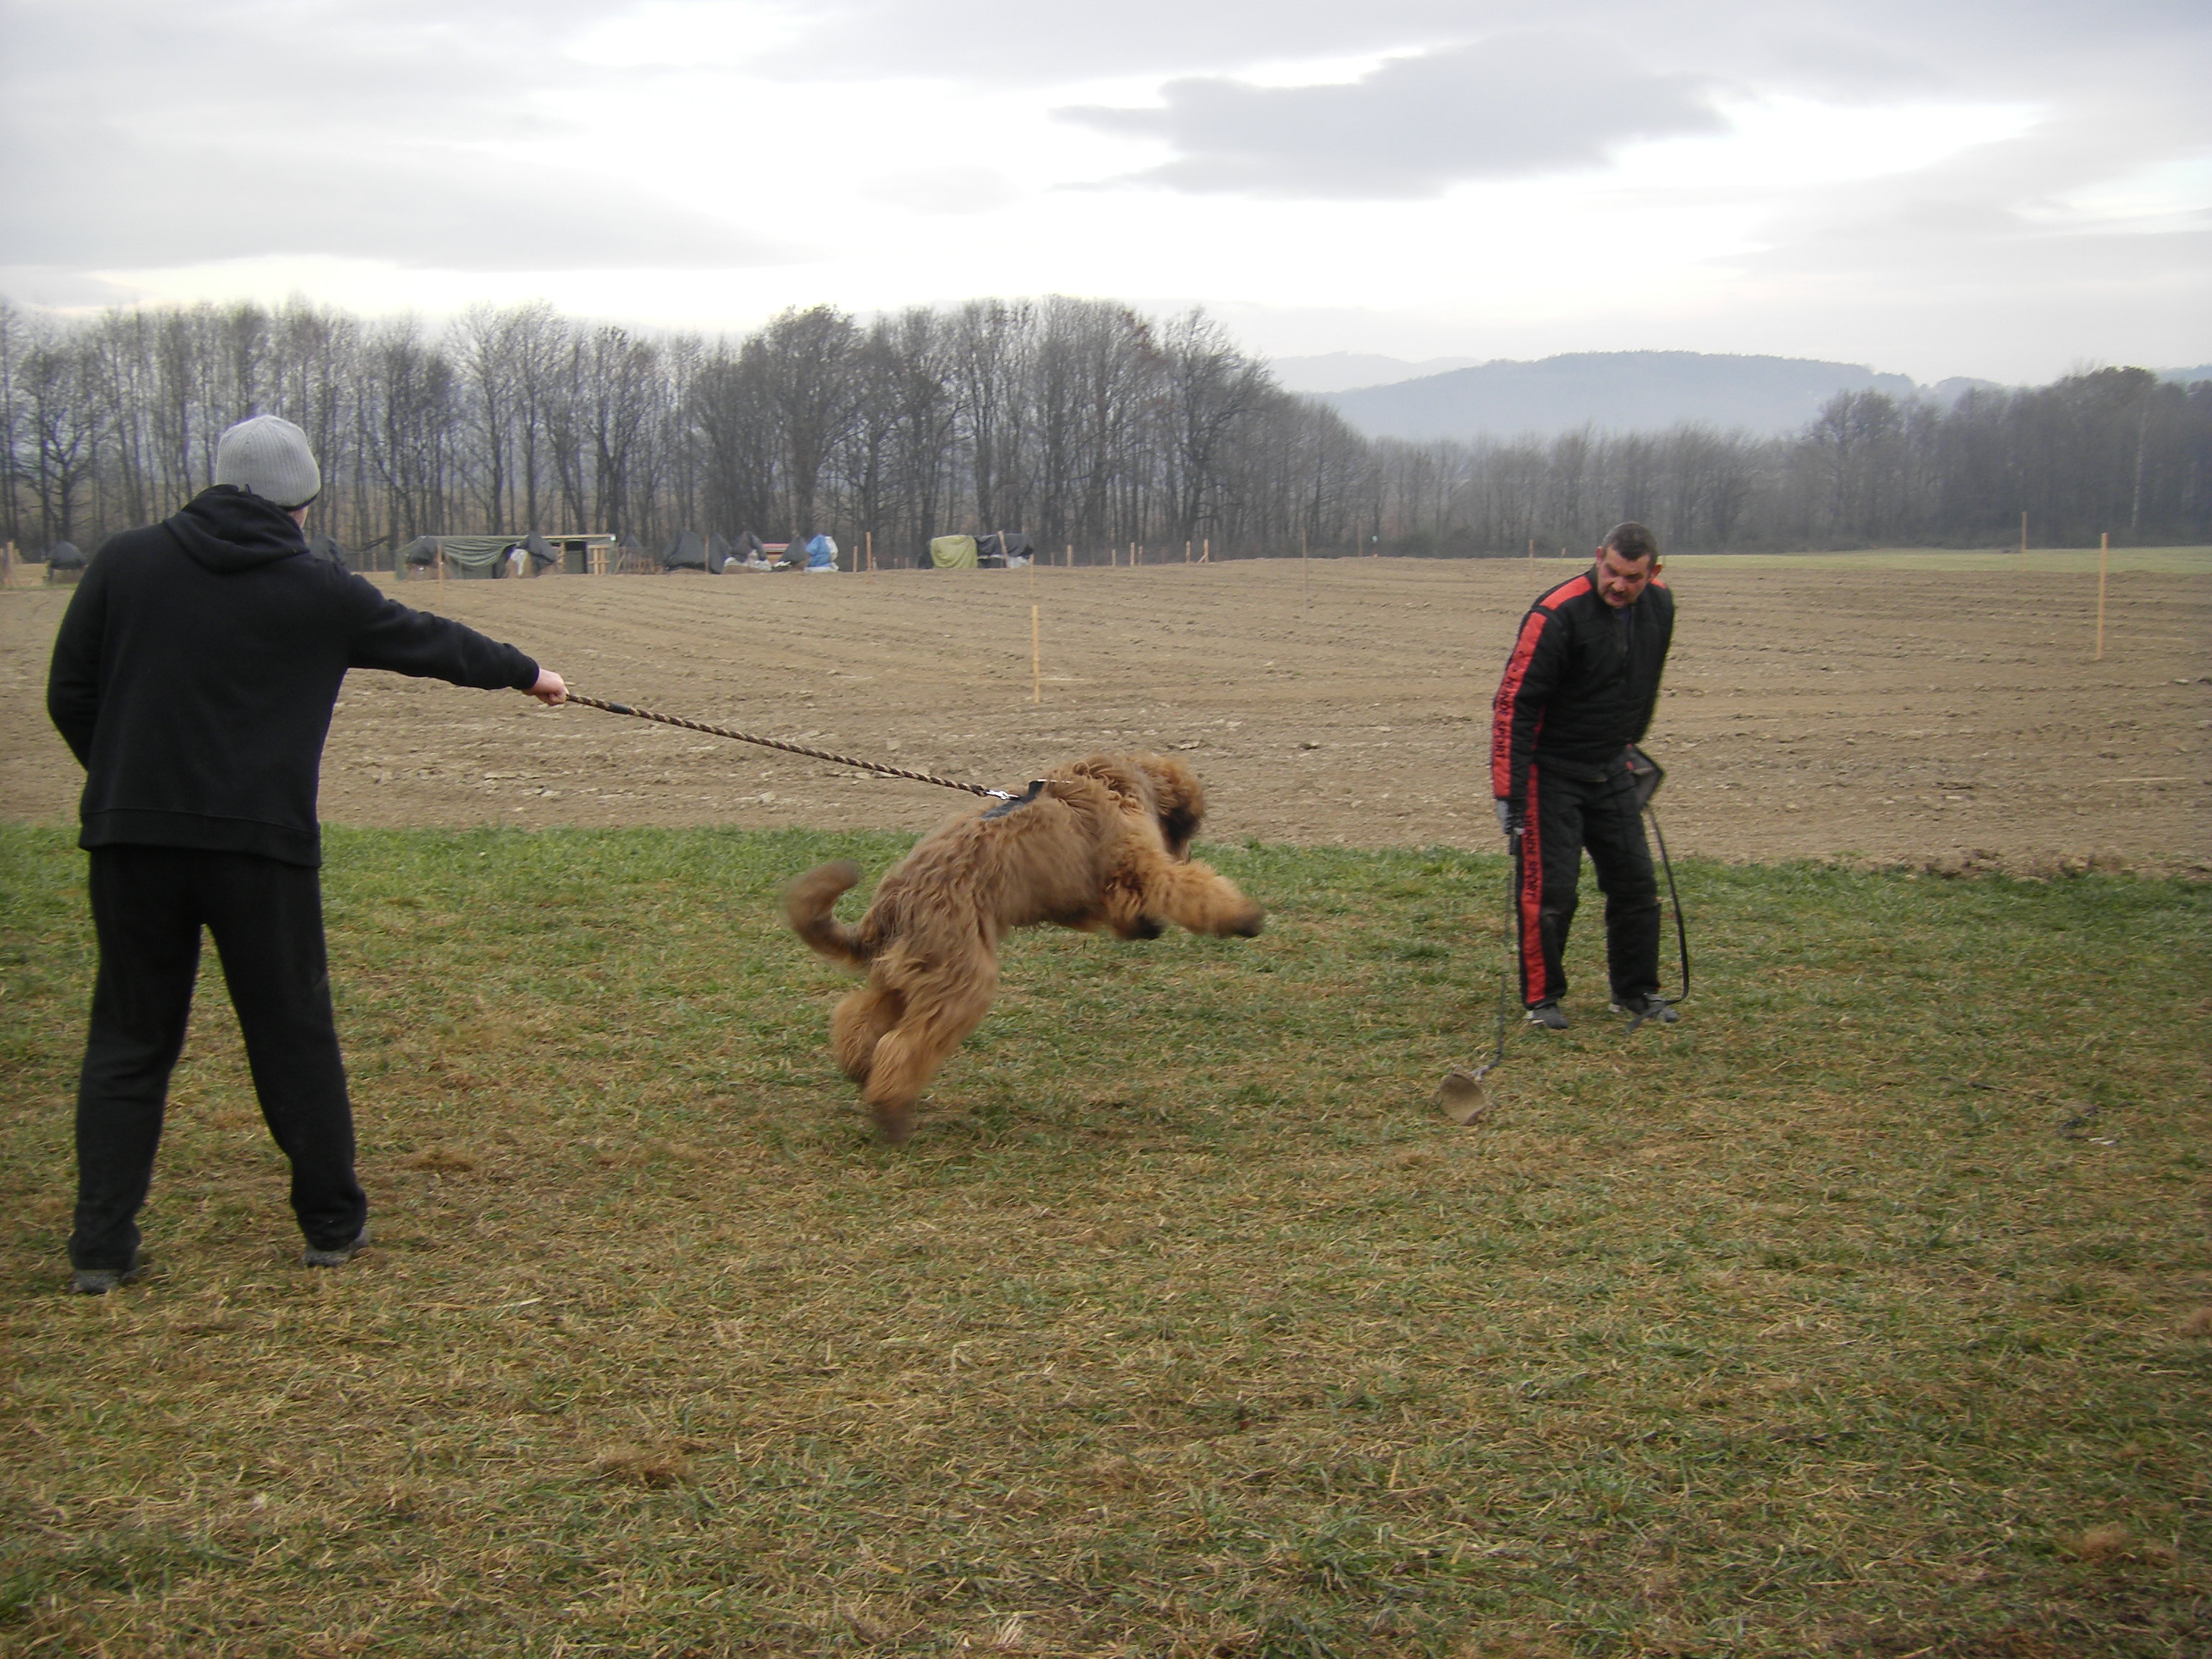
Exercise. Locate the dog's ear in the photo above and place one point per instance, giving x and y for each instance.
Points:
(1179, 801)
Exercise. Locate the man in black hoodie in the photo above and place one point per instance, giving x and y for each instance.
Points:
(194, 677)
(1579, 689)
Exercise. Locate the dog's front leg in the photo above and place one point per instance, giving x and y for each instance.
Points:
(1192, 895)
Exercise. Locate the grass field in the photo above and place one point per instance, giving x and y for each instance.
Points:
(1861, 1313)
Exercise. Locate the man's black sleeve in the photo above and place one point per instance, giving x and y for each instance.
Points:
(73, 678)
(389, 636)
(1532, 674)
(1666, 632)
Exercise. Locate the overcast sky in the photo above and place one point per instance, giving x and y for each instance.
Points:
(1938, 186)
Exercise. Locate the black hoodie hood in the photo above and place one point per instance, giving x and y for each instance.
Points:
(228, 530)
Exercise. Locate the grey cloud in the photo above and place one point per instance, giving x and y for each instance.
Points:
(950, 190)
(1862, 47)
(97, 203)
(232, 130)
(1516, 104)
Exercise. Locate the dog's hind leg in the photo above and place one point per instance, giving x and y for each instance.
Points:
(940, 1012)
(862, 1018)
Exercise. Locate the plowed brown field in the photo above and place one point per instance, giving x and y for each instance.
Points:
(1937, 708)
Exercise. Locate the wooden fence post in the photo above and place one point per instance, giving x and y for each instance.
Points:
(2104, 563)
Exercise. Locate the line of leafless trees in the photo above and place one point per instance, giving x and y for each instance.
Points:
(1080, 421)
(2116, 451)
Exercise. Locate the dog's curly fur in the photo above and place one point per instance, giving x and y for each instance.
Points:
(1103, 843)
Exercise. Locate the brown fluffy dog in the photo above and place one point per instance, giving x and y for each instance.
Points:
(1106, 843)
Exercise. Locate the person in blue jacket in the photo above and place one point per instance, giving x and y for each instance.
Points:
(194, 676)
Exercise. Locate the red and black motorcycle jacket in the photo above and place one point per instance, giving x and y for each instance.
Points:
(1580, 687)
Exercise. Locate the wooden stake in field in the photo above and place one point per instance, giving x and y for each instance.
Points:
(441, 565)
(870, 537)
(1206, 550)
(1186, 552)
(1036, 658)
(2104, 564)
(1305, 570)
(1068, 559)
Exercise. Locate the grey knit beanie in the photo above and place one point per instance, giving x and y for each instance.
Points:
(270, 457)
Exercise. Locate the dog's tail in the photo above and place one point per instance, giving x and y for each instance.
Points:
(808, 905)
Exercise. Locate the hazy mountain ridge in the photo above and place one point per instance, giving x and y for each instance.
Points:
(1606, 391)
(1612, 391)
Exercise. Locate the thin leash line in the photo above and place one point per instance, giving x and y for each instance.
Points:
(875, 767)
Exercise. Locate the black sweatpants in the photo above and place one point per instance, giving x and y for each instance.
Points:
(148, 904)
(1565, 817)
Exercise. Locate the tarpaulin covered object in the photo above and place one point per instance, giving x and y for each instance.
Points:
(1005, 548)
(952, 552)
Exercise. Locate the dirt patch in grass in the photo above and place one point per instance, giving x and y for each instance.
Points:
(1184, 1328)
(1942, 710)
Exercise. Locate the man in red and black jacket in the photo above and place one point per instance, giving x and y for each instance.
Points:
(1578, 691)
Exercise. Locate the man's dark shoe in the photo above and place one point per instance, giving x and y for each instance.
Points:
(338, 1258)
(99, 1281)
(1656, 1010)
(1547, 1015)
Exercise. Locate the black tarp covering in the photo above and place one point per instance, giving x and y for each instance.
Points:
(686, 552)
(541, 555)
(423, 550)
(324, 545)
(64, 556)
(993, 550)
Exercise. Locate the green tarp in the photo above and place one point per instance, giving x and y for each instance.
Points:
(953, 552)
(472, 552)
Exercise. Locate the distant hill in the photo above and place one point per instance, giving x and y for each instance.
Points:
(2184, 376)
(1615, 391)
(1345, 371)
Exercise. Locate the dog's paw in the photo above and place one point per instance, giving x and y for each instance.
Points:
(1244, 924)
(894, 1124)
(1145, 927)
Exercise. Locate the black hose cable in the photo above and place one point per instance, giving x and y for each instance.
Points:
(1681, 929)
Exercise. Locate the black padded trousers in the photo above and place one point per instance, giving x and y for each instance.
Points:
(1564, 817)
(148, 904)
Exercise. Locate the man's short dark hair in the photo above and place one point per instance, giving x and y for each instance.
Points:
(1632, 541)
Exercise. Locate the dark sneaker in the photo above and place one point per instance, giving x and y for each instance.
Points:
(99, 1281)
(1547, 1015)
(1655, 1009)
(338, 1258)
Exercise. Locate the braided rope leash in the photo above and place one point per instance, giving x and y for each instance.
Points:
(787, 747)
